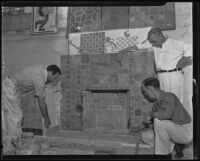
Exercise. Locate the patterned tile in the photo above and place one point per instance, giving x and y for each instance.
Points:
(87, 18)
(92, 43)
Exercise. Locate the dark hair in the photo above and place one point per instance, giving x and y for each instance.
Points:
(153, 31)
(152, 81)
(54, 69)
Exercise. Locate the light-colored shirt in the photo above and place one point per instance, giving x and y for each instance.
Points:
(32, 78)
(167, 57)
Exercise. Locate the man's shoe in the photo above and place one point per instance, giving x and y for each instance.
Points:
(167, 157)
(179, 150)
(179, 155)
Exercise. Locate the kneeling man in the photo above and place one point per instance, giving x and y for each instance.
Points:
(171, 122)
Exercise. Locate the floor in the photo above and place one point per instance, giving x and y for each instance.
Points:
(90, 143)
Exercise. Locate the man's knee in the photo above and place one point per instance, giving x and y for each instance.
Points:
(162, 124)
(156, 122)
(147, 136)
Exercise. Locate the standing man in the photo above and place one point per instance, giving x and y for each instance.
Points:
(14, 87)
(171, 57)
(171, 122)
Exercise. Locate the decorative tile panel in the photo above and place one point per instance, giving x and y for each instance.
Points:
(157, 16)
(108, 41)
(92, 43)
(83, 19)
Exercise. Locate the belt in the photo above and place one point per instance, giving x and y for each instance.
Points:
(173, 70)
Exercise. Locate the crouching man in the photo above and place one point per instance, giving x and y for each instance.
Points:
(171, 122)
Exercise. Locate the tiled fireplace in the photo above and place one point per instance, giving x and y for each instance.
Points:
(105, 110)
(107, 87)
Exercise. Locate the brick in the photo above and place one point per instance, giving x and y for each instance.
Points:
(113, 79)
(85, 59)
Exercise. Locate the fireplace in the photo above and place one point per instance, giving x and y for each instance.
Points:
(108, 89)
(106, 111)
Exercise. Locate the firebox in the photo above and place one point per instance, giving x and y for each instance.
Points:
(106, 111)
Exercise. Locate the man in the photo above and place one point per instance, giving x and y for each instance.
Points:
(171, 56)
(14, 87)
(171, 122)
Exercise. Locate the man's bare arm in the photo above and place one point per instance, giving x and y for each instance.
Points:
(43, 110)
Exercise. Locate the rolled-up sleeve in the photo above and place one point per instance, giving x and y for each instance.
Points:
(39, 87)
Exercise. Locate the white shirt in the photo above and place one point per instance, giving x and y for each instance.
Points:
(167, 57)
(32, 78)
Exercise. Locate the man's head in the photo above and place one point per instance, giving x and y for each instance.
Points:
(149, 88)
(156, 37)
(53, 73)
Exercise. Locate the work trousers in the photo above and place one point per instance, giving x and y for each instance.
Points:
(165, 134)
(11, 113)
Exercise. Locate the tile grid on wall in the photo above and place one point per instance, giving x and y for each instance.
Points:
(157, 16)
(103, 18)
(92, 43)
(100, 72)
(87, 18)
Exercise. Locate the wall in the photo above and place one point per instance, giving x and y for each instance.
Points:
(29, 50)
(184, 32)
(183, 12)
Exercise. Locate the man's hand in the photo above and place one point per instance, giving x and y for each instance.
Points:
(131, 48)
(183, 62)
(148, 120)
(136, 130)
(43, 110)
(47, 123)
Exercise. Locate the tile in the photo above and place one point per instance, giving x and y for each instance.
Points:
(150, 15)
(88, 19)
(114, 18)
(87, 43)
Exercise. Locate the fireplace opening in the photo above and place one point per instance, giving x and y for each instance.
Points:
(106, 111)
